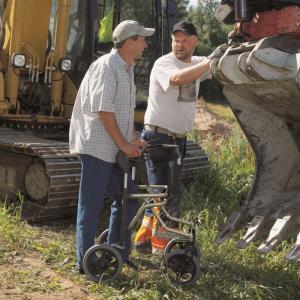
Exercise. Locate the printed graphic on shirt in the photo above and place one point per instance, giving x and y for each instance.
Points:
(187, 92)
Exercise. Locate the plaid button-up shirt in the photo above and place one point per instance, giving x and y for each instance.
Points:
(107, 86)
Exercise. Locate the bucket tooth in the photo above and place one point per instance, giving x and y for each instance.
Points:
(276, 235)
(294, 252)
(254, 228)
(229, 227)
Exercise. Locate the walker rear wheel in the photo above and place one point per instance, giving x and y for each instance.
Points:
(182, 269)
(102, 262)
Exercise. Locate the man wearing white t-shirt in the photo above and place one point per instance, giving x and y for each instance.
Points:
(173, 91)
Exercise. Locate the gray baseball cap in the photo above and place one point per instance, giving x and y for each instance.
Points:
(129, 28)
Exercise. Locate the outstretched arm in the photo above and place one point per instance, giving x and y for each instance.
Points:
(190, 74)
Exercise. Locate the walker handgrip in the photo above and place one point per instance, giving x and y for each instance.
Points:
(123, 161)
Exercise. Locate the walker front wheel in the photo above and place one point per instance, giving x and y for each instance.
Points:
(182, 269)
(191, 247)
(102, 262)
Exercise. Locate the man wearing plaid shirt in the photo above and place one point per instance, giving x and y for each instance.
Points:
(101, 125)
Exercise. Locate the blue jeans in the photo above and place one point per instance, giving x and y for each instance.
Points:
(98, 177)
(158, 172)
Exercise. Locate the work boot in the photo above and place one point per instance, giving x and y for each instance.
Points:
(142, 240)
(77, 270)
(158, 242)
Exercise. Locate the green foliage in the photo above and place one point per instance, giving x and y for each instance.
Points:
(142, 12)
(230, 175)
(12, 230)
(211, 32)
(181, 6)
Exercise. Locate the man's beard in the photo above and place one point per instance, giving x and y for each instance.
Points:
(182, 55)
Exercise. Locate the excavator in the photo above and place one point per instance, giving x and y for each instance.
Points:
(260, 74)
(45, 49)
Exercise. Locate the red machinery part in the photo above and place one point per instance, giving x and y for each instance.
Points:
(277, 22)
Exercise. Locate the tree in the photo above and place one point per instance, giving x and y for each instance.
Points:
(211, 32)
(181, 7)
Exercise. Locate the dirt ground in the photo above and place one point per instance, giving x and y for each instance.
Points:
(209, 124)
(28, 277)
(14, 283)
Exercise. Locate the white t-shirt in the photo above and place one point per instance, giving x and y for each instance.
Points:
(169, 106)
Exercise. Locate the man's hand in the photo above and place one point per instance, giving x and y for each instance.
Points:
(110, 123)
(131, 150)
(218, 52)
(140, 143)
(134, 149)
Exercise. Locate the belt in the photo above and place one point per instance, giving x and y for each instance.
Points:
(164, 131)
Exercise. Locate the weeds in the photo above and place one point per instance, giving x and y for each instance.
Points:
(221, 110)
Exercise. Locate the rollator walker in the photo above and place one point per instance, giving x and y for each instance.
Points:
(181, 258)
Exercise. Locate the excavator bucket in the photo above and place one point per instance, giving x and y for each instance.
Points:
(262, 84)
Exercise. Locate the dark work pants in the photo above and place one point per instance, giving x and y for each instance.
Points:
(158, 172)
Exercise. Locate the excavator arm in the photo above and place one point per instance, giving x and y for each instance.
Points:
(260, 73)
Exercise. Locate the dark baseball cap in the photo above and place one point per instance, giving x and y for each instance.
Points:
(185, 26)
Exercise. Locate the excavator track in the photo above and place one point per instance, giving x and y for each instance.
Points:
(43, 171)
(45, 176)
(196, 162)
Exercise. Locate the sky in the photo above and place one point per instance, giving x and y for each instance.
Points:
(193, 2)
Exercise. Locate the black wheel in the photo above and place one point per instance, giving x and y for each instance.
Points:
(181, 268)
(102, 239)
(102, 262)
(191, 247)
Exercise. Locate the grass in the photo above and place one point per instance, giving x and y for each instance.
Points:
(227, 273)
(223, 111)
